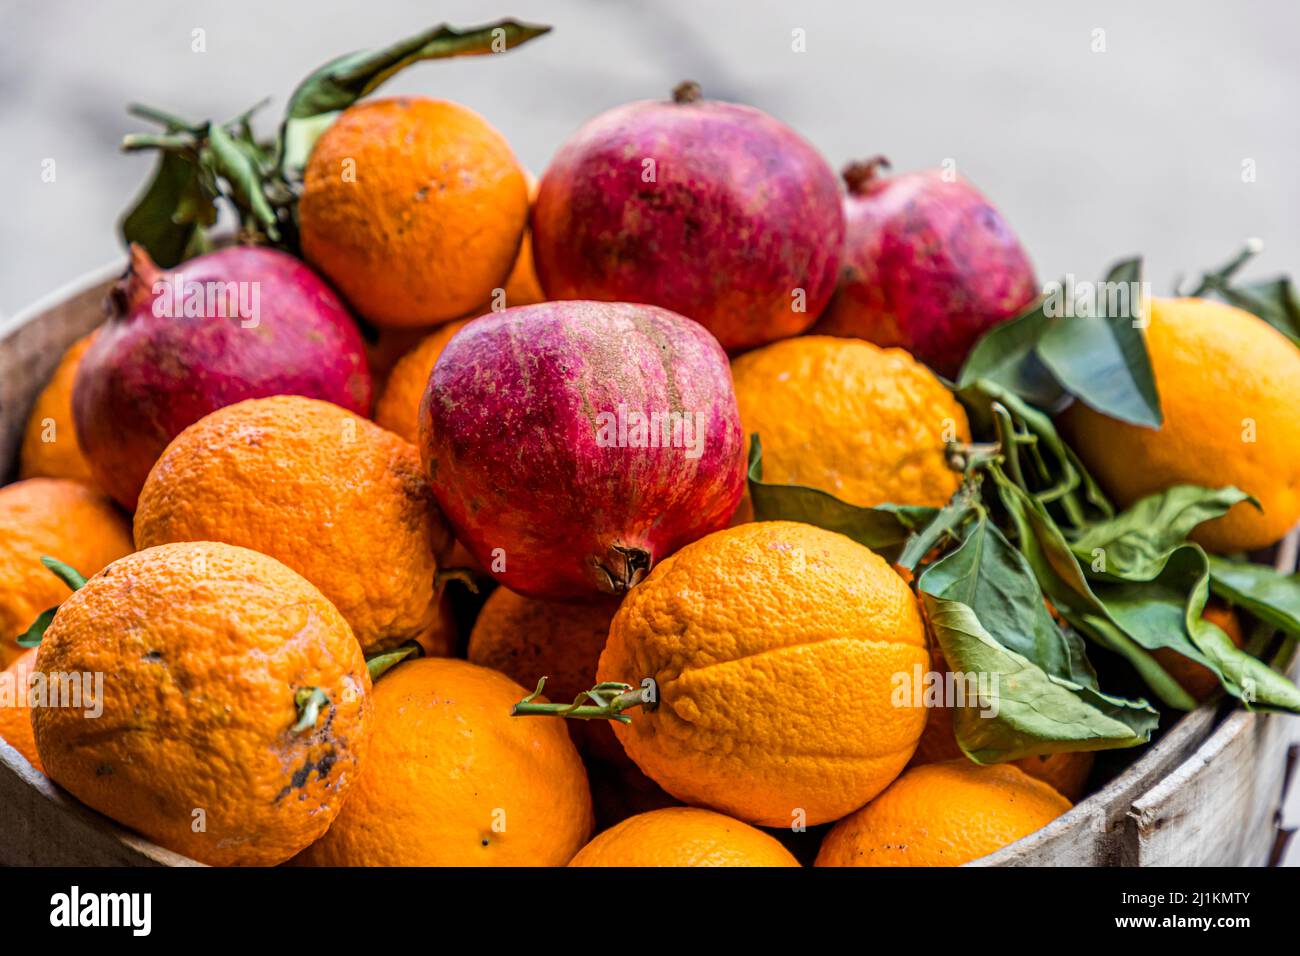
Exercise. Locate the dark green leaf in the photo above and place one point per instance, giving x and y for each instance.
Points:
(880, 528)
(1267, 594)
(32, 636)
(65, 573)
(170, 216)
(1099, 354)
(1006, 356)
(344, 80)
(234, 163)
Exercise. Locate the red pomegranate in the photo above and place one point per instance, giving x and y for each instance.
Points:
(238, 323)
(573, 444)
(929, 265)
(714, 210)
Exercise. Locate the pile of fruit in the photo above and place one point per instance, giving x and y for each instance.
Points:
(680, 508)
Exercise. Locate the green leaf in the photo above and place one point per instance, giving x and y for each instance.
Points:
(1267, 594)
(1025, 711)
(346, 79)
(1006, 356)
(32, 636)
(233, 161)
(170, 217)
(1137, 541)
(379, 664)
(990, 619)
(1100, 356)
(880, 528)
(65, 573)
(308, 701)
(995, 581)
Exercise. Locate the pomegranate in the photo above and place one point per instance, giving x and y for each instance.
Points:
(573, 444)
(714, 210)
(238, 323)
(929, 265)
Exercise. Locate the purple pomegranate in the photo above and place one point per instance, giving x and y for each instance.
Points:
(714, 210)
(573, 444)
(238, 323)
(929, 265)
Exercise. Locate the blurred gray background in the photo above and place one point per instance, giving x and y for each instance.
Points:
(1090, 155)
(1099, 129)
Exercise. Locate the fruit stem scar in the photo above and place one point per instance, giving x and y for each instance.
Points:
(308, 700)
(604, 706)
(687, 91)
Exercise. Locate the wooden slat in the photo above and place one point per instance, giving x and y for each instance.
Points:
(1219, 807)
(41, 825)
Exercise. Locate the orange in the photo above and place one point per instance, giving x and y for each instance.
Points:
(385, 349)
(60, 518)
(523, 286)
(334, 496)
(1066, 772)
(453, 780)
(864, 423)
(618, 787)
(683, 836)
(1229, 387)
(525, 638)
(398, 407)
(15, 714)
(943, 814)
(414, 208)
(198, 737)
(1197, 679)
(774, 647)
(50, 448)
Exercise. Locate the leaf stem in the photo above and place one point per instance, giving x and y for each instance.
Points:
(609, 700)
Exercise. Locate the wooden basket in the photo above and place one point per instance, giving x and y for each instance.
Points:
(1207, 792)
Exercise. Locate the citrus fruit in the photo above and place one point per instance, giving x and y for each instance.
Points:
(1197, 679)
(683, 836)
(15, 714)
(1229, 387)
(453, 780)
(52, 517)
(50, 448)
(522, 286)
(863, 423)
(398, 407)
(526, 639)
(414, 208)
(774, 647)
(1067, 772)
(334, 496)
(234, 705)
(943, 814)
